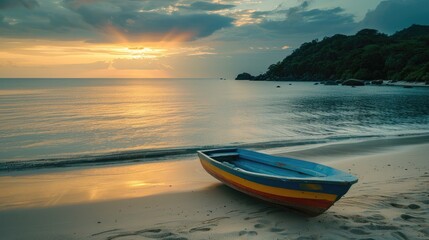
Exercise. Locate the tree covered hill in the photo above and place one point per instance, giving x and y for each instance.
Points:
(367, 55)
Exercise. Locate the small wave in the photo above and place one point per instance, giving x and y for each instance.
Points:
(150, 155)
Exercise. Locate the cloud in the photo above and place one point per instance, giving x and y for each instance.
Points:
(127, 5)
(30, 4)
(110, 21)
(139, 64)
(208, 6)
(289, 25)
(87, 66)
(394, 15)
(306, 21)
(227, 36)
(302, 19)
(115, 22)
(49, 21)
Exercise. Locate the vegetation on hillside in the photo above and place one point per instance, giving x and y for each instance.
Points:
(367, 55)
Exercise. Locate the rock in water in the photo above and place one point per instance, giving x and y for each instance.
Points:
(354, 82)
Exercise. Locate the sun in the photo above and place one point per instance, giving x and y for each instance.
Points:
(145, 52)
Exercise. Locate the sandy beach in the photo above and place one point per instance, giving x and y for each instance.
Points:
(179, 200)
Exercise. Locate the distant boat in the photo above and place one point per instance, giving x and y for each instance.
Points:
(305, 186)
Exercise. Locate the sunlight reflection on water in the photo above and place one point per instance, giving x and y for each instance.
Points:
(44, 118)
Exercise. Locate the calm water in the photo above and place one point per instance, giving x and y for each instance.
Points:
(65, 118)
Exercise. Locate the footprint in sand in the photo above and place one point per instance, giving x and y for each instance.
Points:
(148, 233)
(359, 219)
(274, 229)
(214, 220)
(425, 231)
(380, 227)
(248, 233)
(399, 235)
(200, 229)
(376, 217)
(206, 225)
(259, 225)
(307, 238)
(262, 210)
(175, 238)
(341, 217)
(358, 231)
(395, 205)
(104, 232)
(413, 206)
(154, 233)
(410, 218)
(264, 221)
(344, 227)
(275, 211)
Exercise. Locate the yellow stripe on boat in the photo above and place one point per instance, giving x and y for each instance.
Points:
(311, 186)
(269, 189)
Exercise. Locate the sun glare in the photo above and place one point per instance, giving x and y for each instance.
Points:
(145, 52)
(33, 56)
(148, 58)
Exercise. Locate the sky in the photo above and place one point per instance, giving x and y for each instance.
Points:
(178, 38)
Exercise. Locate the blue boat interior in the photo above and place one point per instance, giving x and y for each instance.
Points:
(269, 165)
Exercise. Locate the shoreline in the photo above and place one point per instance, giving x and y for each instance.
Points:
(137, 179)
(408, 84)
(126, 157)
(386, 82)
(181, 201)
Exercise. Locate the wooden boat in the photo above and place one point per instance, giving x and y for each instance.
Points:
(306, 186)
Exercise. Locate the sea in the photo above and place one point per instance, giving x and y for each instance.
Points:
(56, 123)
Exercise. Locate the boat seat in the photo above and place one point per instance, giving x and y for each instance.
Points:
(228, 164)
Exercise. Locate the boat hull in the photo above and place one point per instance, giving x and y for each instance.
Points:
(306, 197)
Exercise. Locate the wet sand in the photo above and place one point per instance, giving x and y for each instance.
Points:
(178, 200)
